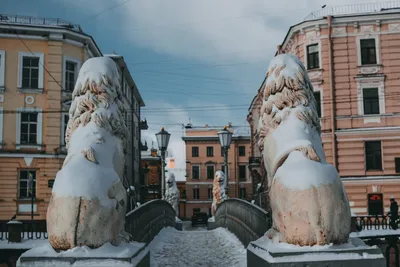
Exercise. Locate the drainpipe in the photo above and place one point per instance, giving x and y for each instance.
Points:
(332, 93)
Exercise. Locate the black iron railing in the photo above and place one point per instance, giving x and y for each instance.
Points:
(16, 19)
(247, 221)
(145, 222)
(379, 222)
(30, 230)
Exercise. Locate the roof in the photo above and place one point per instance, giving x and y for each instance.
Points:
(41, 27)
(347, 14)
(122, 64)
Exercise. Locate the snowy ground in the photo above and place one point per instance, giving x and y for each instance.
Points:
(195, 248)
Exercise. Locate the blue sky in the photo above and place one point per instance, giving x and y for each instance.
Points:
(184, 54)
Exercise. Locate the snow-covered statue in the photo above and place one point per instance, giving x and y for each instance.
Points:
(172, 193)
(308, 201)
(219, 194)
(88, 202)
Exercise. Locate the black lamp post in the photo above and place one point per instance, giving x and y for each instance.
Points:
(225, 139)
(163, 140)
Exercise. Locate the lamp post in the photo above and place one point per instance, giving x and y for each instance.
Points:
(225, 138)
(163, 140)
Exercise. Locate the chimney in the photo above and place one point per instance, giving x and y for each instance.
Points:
(206, 126)
(153, 152)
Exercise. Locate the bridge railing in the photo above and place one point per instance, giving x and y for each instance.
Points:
(247, 221)
(145, 222)
(370, 222)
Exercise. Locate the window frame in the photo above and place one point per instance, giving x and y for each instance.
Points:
(198, 193)
(19, 183)
(319, 103)
(210, 193)
(366, 156)
(240, 193)
(77, 68)
(244, 151)
(195, 155)
(371, 82)
(21, 56)
(369, 49)
(2, 70)
(198, 166)
(245, 173)
(212, 151)
(377, 49)
(39, 128)
(364, 100)
(317, 58)
(213, 166)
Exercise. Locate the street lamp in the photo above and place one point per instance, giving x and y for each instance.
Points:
(225, 138)
(163, 140)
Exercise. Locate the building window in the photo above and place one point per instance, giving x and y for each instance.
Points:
(24, 176)
(196, 210)
(30, 72)
(196, 172)
(210, 151)
(242, 192)
(313, 56)
(71, 73)
(210, 193)
(210, 171)
(2, 69)
(368, 51)
(242, 173)
(375, 204)
(196, 193)
(65, 120)
(195, 151)
(29, 124)
(371, 101)
(242, 151)
(397, 164)
(373, 155)
(317, 96)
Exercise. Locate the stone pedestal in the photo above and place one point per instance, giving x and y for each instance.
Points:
(356, 253)
(178, 224)
(211, 224)
(129, 255)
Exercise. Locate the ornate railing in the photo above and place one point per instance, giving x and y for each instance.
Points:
(16, 19)
(247, 221)
(145, 222)
(30, 230)
(362, 223)
(352, 9)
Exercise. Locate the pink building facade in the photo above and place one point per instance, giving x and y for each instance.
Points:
(353, 62)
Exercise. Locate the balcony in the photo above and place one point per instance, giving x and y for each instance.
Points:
(143, 125)
(143, 147)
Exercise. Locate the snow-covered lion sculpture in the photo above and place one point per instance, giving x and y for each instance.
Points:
(88, 202)
(172, 193)
(308, 201)
(219, 194)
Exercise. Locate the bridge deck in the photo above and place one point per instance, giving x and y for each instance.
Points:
(196, 247)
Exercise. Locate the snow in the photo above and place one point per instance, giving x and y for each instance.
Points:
(25, 243)
(14, 222)
(354, 249)
(124, 250)
(211, 219)
(309, 173)
(375, 233)
(175, 248)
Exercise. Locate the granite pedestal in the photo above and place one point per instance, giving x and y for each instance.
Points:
(263, 252)
(124, 255)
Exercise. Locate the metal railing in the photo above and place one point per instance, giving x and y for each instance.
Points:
(30, 230)
(145, 222)
(29, 20)
(247, 221)
(362, 223)
(352, 9)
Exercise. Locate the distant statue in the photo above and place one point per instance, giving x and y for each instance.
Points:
(219, 194)
(88, 202)
(308, 201)
(172, 193)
